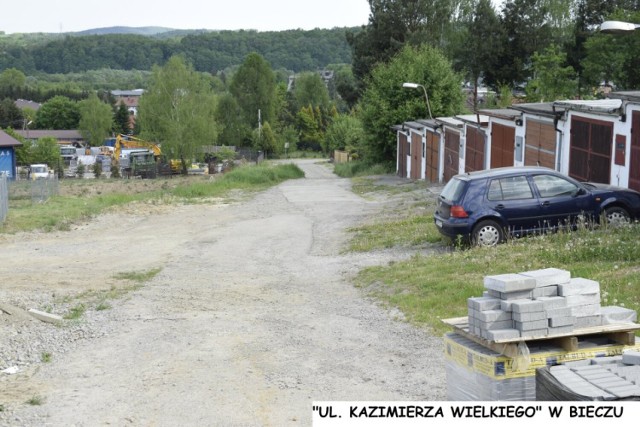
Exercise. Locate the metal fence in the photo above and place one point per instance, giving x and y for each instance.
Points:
(4, 197)
(42, 189)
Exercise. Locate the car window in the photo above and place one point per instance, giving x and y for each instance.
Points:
(453, 190)
(510, 188)
(552, 186)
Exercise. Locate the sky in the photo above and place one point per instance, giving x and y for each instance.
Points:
(54, 16)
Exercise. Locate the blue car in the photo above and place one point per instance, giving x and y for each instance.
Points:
(485, 207)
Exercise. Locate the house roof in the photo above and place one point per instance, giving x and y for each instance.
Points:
(7, 140)
(133, 92)
(430, 123)
(540, 108)
(630, 95)
(450, 121)
(23, 103)
(603, 106)
(502, 113)
(58, 134)
(476, 119)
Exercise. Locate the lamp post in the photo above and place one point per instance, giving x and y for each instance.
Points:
(416, 86)
(615, 27)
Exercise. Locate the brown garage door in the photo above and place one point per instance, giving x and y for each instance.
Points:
(403, 149)
(416, 155)
(474, 153)
(433, 156)
(590, 150)
(634, 164)
(540, 144)
(451, 154)
(502, 145)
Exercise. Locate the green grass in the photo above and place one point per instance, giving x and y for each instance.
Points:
(59, 212)
(136, 276)
(429, 288)
(360, 168)
(412, 231)
(46, 357)
(36, 401)
(75, 312)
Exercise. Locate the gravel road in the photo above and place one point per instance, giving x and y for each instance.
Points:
(251, 318)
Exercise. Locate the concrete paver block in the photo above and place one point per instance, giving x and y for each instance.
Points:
(631, 357)
(578, 286)
(44, 316)
(509, 282)
(529, 316)
(548, 276)
(525, 306)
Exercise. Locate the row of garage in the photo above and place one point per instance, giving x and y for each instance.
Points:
(596, 140)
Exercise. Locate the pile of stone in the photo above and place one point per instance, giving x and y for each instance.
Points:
(538, 304)
(605, 378)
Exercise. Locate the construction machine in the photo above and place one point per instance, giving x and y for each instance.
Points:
(136, 157)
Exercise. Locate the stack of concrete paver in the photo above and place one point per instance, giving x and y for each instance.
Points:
(539, 303)
(616, 377)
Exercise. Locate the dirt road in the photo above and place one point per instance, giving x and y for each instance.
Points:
(250, 320)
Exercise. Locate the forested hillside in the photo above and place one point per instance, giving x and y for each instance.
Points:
(295, 50)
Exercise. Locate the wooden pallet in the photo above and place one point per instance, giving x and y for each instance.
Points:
(621, 333)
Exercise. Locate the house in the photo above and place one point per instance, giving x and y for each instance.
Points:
(8, 154)
(23, 103)
(64, 137)
(505, 147)
(474, 156)
(130, 98)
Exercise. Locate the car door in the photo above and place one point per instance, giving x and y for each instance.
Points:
(513, 199)
(562, 201)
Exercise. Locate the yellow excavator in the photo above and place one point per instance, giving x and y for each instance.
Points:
(142, 158)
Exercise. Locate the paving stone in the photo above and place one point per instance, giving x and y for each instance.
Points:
(503, 334)
(529, 316)
(587, 310)
(558, 312)
(548, 276)
(498, 324)
(555, 322)
(578, 286)
(614, 314)
(630, 357)
(509, 282)
(584, 299)
(493, 315)
(546, 291)
(536, 333)
(551, 303)
(627, 391)
(561, 330)
(606, 360)
(531, 325)
(588, 321)
(483, 303)
(525, 306)
(515, 295)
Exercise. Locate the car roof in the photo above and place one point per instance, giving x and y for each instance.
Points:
(497, 172)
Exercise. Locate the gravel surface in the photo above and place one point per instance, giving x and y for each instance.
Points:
(251, 317)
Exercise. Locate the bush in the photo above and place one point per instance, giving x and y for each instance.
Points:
(97, 169)
(80, 170)
(115, 171)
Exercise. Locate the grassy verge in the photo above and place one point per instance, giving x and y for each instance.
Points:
(61, 211)
(359, 168)
(429, 288)
(411, 231)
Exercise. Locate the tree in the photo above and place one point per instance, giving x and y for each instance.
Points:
(309, 89)
(309, 125)
(344, 133)
(264, 139)
(253, 86)
(59, 112)
(10, 115)
(479, 45)
(45, 150)
(122, 119)
(228, 114)
(12, 79)
(178, 111)
(96, 120)
(552, 80)
(386, 103)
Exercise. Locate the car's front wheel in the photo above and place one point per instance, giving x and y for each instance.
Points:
(487, 233)
(616, 215)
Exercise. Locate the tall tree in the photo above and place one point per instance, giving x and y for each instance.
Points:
(552, 78)
(482, 40)
(178, 111)
(254, 88)
(122, 119)
(309, 89)
(528, 30)
(59, 112)
(96, 120)
(10, 115)
(385, 102)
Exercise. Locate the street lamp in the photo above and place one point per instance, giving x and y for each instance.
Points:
(416, 86)
(614, 27)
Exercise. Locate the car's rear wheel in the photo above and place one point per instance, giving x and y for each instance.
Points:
(616, 216)
(487, 233)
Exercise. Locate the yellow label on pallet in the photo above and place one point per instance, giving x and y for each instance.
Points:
(501, 367)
